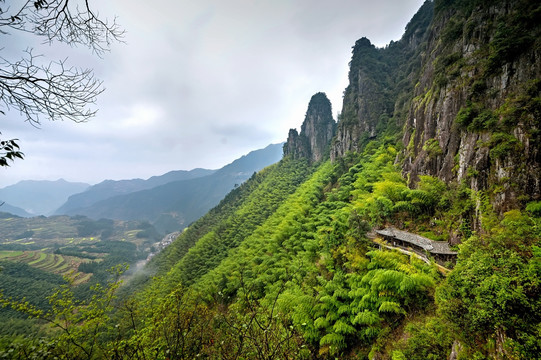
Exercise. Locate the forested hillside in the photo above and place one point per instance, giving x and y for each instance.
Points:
(288, 265)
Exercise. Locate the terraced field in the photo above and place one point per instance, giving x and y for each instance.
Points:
(9, 254)
(60, 244)
(55, 263)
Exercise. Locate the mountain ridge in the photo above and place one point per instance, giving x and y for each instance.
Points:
(14, 210)
(172, 206)
(110, 188)
(40, 197)
(432, 88)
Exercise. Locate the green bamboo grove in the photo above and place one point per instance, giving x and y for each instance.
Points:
(300, 279)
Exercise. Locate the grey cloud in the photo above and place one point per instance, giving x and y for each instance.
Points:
(200, 83)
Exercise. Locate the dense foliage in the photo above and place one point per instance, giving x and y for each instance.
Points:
(302, 280)
(492, 298)
(287, 265)
(237, 216)
(21, 281)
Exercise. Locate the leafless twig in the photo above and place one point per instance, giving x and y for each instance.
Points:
(54, 90)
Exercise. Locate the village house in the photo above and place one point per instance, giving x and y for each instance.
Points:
(439, 250)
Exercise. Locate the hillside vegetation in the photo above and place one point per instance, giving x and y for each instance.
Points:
(39, 254)
(306, 282)
(287, 265)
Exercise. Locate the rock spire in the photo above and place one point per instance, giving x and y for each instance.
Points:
(317, 131)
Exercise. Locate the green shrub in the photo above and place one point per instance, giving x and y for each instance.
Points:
(472, 118)
(432, 148)
(453, 30)
(429, 339)
(534, 208)
(485, 120)
(502, 144)
(466, 115)
(510, 40)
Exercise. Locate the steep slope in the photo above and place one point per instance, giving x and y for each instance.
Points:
(40, 197)
(463, 93)
(206, 243)
(306, 274)
(295, 277)
(380, 84)
(286, 266)
(172, 206)
(475, 115)
(248, 206)
(110, 188)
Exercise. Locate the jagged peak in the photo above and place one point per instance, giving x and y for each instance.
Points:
(363, 42)
(317, 130)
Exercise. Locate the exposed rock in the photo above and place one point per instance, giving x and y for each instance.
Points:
(455, 350)
(462, 87)
(377, 78)
(317, 130)
(364, 99)
(486, 157)
(297, 145)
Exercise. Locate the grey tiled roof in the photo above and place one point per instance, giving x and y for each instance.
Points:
(434, 247)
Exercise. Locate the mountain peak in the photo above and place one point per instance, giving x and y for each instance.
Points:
(317, 130)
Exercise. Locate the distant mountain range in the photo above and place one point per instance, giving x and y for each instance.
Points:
(14, 210)
(171, 201)
(110, 188)
(171, 205)
(38, 197)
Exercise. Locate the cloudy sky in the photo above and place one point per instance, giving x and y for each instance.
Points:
(198, 83)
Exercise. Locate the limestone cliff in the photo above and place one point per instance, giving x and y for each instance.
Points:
(476, 109)
(317, 130)
(380, 86)
(461, 90)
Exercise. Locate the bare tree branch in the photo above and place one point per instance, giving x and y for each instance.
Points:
(53, 90)
(69, 21)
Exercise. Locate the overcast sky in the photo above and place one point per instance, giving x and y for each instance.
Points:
(198, 83)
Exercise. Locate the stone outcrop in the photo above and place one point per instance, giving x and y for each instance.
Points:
(317, 130)
(462, 90)
(363, 99)
(380, 84)
(474, 116)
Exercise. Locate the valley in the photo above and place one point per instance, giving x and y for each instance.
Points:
(407, 228)
(73, 247)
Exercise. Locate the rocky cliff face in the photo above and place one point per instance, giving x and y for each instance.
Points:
(317, 130)
(476, 107)
(380, 84)
(462, 89)
(364, 98)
